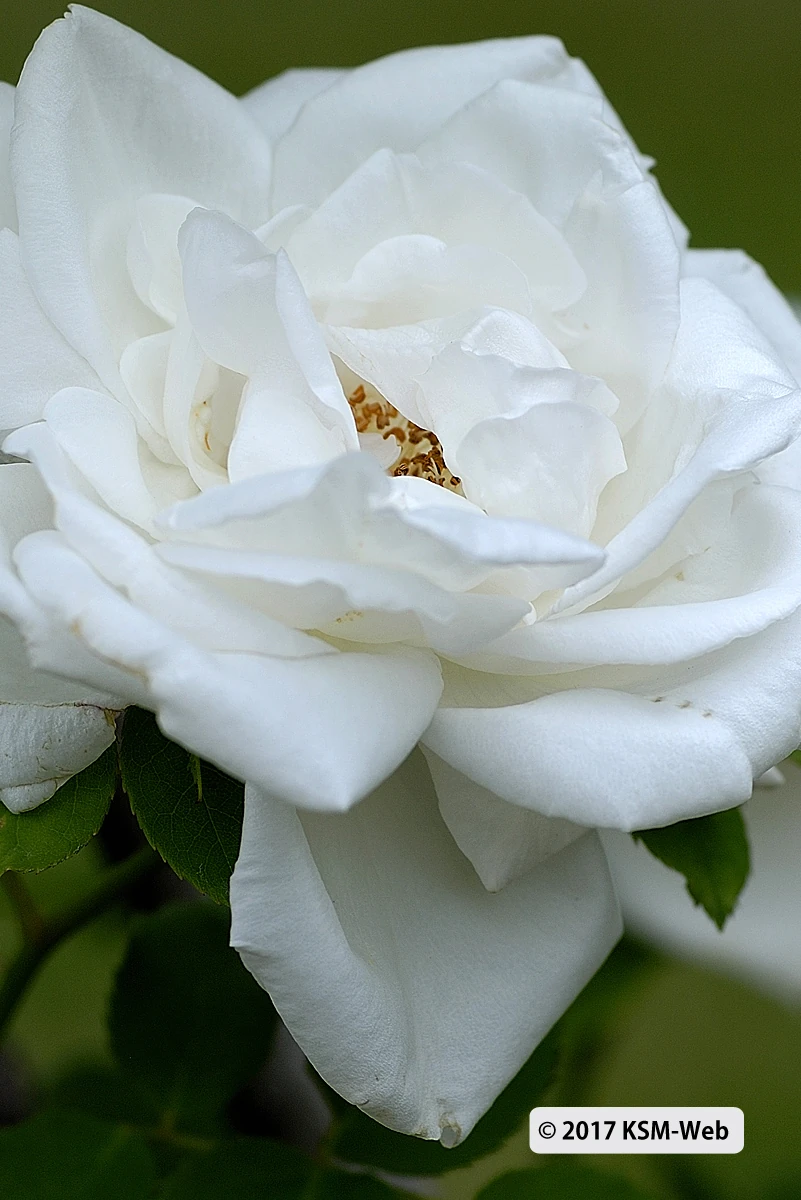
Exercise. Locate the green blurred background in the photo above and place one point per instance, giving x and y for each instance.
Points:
(711, 88)
(713, 91)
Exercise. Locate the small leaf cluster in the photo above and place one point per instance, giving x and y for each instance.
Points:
(188, 1029)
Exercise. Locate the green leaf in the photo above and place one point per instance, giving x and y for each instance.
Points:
(561, 1181)
(359, 1139)
(69, 1156)
(104, 1092)
(188, 810)
(33, 841)
(711, 853)
(189, 1026)
(245, 1168)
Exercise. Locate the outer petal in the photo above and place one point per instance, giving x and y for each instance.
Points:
(37, 361)
(274, 105)
(503, 841)
(43, 740)
(320, 730)
(683, 741)
(747, 283)
(414, 992)
(49, 728)
(395, 102)
(102, 118)
(762, 940)
(598, 757)
(8, 205)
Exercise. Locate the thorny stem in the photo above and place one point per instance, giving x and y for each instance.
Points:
(41, 937)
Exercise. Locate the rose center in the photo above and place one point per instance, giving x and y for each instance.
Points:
(419, 450)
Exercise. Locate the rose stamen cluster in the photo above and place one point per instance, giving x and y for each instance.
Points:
(419, 452)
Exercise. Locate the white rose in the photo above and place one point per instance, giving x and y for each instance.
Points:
(385, 407)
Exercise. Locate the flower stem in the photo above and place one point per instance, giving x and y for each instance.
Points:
(41, 937)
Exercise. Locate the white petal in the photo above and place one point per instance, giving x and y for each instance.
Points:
(143, 368)
(745, 408)
(43, 743)
(152, 253)
(772, 778)
(541, 141)
(503, 841)
(99, 436)
(598, 757)
(37, 362)
(747, 284)
(525, 442)
(761, 942)
(274, 105)
(624, 326)
(49, 728)
(250, 315)
(321, 731)
(734, 589)
(395, 360)
(104, 117)
(352, 601)
(189, 392)
(8, 205)
(414, 992)
(414, 279)
(398, 198)
(348, 509)
(396, 102)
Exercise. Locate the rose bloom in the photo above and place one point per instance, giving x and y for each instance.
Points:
(383, 437)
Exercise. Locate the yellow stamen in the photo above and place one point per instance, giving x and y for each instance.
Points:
(420, 453)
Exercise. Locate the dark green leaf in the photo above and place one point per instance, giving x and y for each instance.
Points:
(361, 1140)
(561, 1181)
(247, 1169)
(103, 1092)
(711, 853)
(39, 839)
(69, 1156)
(189, 810)
(189, 1026)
